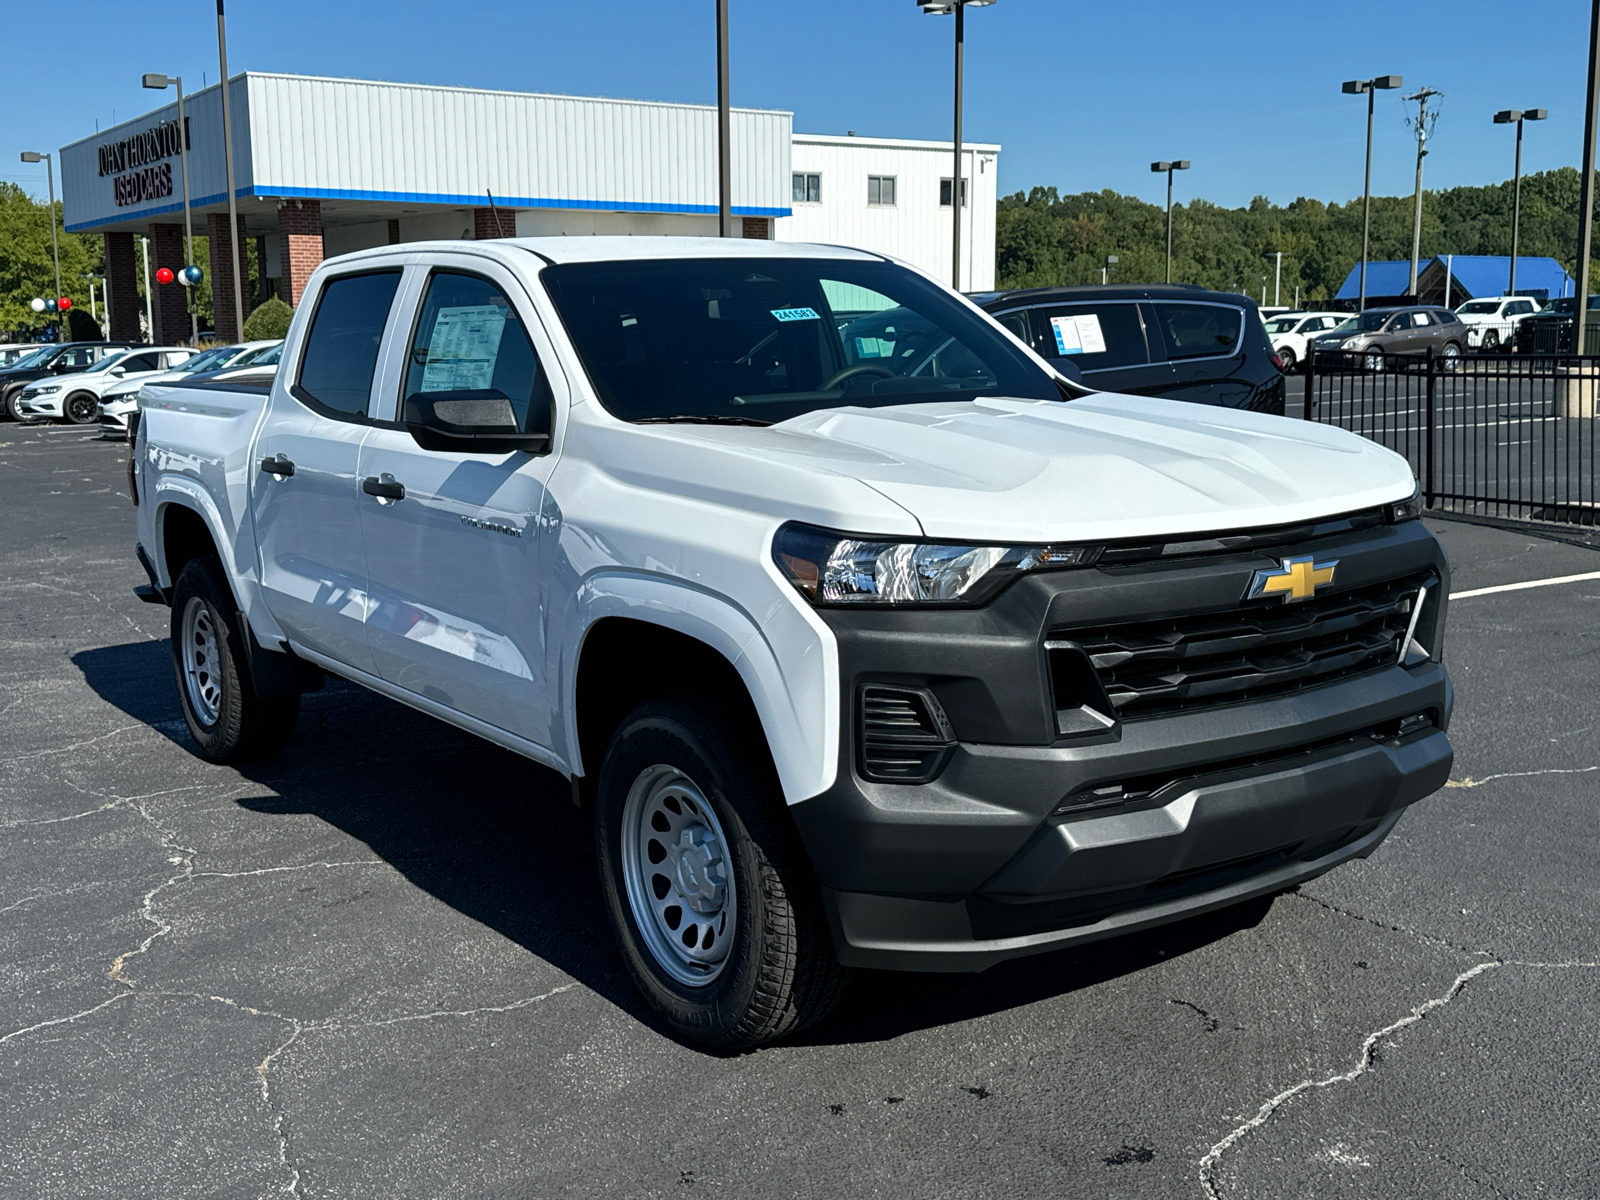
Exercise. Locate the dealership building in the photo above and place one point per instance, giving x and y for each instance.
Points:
(327, 166)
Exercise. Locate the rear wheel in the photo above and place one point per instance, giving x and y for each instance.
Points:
(227, 720)
(708, 889)
(80, 408)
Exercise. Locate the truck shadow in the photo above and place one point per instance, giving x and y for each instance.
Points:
(497, 838)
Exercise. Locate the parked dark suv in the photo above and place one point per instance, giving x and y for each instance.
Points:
(1183, 343)
(51, 360)
(1549, 331)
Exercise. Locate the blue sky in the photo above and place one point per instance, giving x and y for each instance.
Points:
(1081, 96)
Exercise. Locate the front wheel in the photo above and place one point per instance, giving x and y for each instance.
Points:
(707, 887)
(81, 407)
(1374, 360)
(228, 721)
(15, 412)
(1451, 355)
(1289, 360)
(1491, 341)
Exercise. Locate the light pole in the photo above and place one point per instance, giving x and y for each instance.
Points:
(1509, 117)
(1105, 271)
(724, 129)
(1368, 88)
(1591, 117)
(940, 8)
(33, 156)
(1178, 164)
(161, 83)
(1277, 277)
(236, 269)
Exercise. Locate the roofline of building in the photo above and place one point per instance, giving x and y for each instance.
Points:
(846, 139)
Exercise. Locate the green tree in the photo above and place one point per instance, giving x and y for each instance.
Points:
(271, 320)
(26, 267)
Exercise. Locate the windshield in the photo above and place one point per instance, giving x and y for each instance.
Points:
(206, 359)
(267, 357)
(36, 358)
(1364, 322)
(1478, 308)
(1283, 324)
(762, 340)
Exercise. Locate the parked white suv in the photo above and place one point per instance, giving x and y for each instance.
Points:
(1492, 321)
(76, 398)
(122, 399)
(1288, 334)
(866, 637)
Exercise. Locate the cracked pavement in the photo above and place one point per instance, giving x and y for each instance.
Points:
(378, 965)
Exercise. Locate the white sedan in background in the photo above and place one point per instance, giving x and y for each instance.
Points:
(121, 400)
(1492, 321)
(76, 398)
(1288, 334)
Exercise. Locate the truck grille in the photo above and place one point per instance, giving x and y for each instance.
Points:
(1178, 664)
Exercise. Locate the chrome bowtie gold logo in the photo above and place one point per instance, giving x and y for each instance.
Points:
(1295, 579)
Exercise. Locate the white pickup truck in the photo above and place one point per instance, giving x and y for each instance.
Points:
(898, 650)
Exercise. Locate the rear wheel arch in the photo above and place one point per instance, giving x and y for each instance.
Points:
(184, 536)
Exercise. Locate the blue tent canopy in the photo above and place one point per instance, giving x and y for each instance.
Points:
(1471, 274)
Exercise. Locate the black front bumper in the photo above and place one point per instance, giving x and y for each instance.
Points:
(981, 864)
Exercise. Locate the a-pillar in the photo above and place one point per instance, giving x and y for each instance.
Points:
(122, 288)
(223, 274)
(172, 326)
(299, 246)
(493, 223)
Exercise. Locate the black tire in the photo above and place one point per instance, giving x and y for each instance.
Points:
(12, 412)
(1491, 341)
(1289, 359)
(75, 412)
(235, 725)
(780, 973)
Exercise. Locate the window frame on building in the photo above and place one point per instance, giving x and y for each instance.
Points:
(945, 189)
(879, 181)
(805, 187)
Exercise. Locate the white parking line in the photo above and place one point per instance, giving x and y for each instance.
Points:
(1517, 587)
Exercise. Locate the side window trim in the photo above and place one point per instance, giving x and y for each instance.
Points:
(306, 398)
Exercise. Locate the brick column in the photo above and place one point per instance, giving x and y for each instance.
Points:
(394, 231)
(300, 249)
(223, 275)
(122, 288)
(485, 226)
(171, 317)
(756, 227)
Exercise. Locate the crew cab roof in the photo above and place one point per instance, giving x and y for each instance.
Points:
(1097, 291)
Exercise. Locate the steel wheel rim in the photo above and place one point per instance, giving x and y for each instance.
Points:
(678, 875)
(202, 676)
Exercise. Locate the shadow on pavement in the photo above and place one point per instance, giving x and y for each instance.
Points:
(498, 839)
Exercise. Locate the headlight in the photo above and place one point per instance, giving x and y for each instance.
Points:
(46, 390)
(1408, 509)
(834, 568)
(1356, 342)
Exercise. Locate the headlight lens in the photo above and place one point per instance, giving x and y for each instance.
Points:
(46, 390)
(1407, 510)
(833, 568)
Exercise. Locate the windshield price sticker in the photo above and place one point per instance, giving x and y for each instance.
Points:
(1078, 334)
(796, 314)
(463, 348)
(872, 347)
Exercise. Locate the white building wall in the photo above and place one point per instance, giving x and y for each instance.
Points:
(917, 227)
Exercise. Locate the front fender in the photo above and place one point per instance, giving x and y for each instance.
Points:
(788, 661)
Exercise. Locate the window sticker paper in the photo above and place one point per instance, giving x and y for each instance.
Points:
(1078, 334)
(463, 348)
(796, 314)
(872, 347)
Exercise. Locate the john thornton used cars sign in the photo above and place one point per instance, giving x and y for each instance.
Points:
(124, 159)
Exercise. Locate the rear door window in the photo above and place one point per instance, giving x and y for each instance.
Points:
(1097, 336)
(140, 362)
(341, 351)
(1200, 330)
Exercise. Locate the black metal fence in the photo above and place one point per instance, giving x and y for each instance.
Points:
(1510, 436)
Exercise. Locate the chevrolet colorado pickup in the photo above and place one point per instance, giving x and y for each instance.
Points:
(867, 638)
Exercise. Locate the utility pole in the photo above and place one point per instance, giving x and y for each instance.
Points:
(1424, 127)
(1586, 184)
(237, 271)
(724, 129)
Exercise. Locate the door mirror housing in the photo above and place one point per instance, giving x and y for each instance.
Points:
(119, 372)
(479, 421)
(1068, 368)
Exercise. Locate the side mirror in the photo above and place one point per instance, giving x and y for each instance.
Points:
(479, 421)
(119, 372)
(1068, 368)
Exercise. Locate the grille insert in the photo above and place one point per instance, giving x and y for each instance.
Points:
(904, 735)
(1196, 661)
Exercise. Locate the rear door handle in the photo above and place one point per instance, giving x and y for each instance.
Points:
(279, 466)
(384, 487)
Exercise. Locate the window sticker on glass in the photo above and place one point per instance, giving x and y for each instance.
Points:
(462, 350)
(1078, 334)
(874, 347)
(796, 314)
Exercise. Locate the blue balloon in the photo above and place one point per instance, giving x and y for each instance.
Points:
(192, 274)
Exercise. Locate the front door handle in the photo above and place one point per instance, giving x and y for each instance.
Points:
(384, 487)
(280, 466)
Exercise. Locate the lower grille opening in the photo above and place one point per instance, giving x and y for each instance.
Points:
(903, 734)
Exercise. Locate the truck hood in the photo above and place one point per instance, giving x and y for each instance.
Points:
(1102, 467)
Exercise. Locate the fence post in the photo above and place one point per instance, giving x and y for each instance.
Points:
(1311, 382)
(1427, 477)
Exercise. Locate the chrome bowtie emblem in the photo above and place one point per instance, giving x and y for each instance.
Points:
(1294, 579)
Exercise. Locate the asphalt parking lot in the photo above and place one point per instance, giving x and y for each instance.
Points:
(378, 966)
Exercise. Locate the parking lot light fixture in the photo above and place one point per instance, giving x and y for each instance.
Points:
(1512, 116)
(160, 83)
(1368, 88)
(1177, 164)
(33, 156)
(943, 8)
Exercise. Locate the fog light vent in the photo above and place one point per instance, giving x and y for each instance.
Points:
(904, 736)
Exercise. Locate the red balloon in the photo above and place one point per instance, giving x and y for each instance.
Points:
(63, 304)
(164, 275)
